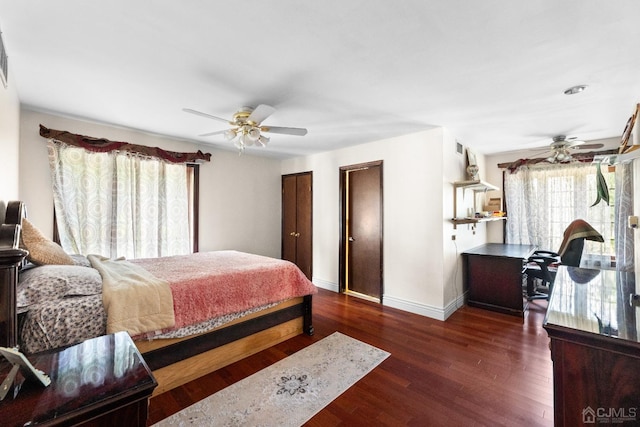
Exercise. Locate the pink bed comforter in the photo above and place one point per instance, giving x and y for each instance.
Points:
(206, 285)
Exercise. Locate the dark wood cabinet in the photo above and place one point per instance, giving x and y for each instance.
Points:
(492, 275)
(593, 325)
(297, 200)
(103, 381)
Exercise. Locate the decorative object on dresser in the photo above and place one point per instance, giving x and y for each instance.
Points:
(222, 334)
(21, 364)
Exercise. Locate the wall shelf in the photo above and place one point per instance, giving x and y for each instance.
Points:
(457, 221)
(476, 187)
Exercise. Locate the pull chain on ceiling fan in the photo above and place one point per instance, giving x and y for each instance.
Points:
(246, 126)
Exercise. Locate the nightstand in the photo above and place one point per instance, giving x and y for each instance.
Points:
(103, 381)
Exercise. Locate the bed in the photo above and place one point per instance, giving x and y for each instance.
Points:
(55, 302)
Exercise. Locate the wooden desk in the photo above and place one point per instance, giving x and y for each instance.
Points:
(492, 274)
(592, 320)
(101, 382)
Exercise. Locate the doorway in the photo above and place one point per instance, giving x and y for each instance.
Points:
(361, 230)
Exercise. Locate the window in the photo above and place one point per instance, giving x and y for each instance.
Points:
(543, 200)
(123, 204)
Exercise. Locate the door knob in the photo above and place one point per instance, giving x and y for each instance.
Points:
(293, 233)
(351, 239)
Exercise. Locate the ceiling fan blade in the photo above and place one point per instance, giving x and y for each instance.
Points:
(213, 133)
(260, 113)
(284, 130)
(209, 116)
(588, 146)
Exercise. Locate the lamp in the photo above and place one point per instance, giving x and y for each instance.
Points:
(246, 135)
(561, 155)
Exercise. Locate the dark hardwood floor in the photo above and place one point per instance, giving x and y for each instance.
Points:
(478, 368)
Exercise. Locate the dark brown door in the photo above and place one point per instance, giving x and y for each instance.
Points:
(364, 230)
(297, 245)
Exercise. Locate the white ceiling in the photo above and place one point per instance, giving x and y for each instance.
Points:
(493, 72)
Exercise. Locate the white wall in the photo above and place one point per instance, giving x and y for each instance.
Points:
(466, 236)
(420, 260)
(239, 195)
(9, 143)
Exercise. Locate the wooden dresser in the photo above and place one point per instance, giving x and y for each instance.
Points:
(593, 321)
(101, 382)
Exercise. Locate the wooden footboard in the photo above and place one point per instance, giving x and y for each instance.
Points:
(177, 361)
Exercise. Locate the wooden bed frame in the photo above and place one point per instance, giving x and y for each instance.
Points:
(173, 361)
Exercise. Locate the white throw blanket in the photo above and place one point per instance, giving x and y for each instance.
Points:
(135, 300)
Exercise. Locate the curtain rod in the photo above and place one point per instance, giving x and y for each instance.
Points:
(103, 145)
(580, 157)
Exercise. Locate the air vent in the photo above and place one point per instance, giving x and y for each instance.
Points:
(4, 63)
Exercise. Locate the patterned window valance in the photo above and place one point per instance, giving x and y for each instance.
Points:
(104, 145)
(577, 157)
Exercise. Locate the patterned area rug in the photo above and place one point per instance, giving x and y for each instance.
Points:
(289, 392)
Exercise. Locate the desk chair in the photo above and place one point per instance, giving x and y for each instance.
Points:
(543, 265)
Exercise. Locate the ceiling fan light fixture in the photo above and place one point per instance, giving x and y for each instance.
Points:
(263, 141)
(230, 134)
(253, 133)
(575, 89)
(246, 140)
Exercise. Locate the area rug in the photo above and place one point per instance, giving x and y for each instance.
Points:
(289, 392)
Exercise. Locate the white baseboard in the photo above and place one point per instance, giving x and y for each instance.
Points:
(437, 313)
(325, 284)
(414, 307)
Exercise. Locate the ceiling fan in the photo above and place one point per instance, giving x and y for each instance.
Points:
(562, 146)
(247, 128)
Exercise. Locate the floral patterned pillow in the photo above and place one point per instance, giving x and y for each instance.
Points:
(53, 282)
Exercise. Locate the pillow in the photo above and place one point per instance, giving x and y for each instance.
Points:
(42, 251)
(53, 282)
(81, 260)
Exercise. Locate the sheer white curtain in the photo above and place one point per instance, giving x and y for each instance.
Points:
(119, 204)
(624, 208)
(543, 200)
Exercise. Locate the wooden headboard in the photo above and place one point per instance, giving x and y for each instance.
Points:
(11, 258)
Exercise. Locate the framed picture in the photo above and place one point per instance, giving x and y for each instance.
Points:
(626, 134)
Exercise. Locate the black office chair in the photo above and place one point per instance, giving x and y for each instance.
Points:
(542, 266)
